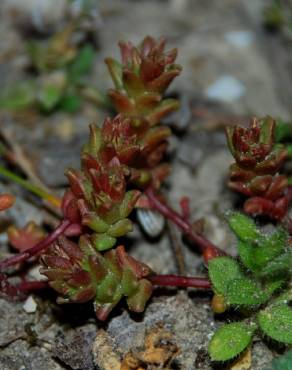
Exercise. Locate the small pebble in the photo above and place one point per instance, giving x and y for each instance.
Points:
(30, 305)
(240, 39)
(34, 274)
(226, 89)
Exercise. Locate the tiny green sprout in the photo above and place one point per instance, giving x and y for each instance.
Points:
(251, 284)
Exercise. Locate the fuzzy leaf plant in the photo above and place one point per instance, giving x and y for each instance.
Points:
(256, 285)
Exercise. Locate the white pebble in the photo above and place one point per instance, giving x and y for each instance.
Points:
(34, 274)
(30, 305)
(226, 89)
(240, 39)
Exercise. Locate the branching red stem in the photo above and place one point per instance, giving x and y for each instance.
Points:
(30, 286)
(19, 290)
(42, 245)
(180, 281)
(201, 242)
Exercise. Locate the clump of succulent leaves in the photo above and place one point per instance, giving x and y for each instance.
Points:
(141, 79)
(120, 159)
(61, 66)
(79, 273)
(255, 285)
(255, 173)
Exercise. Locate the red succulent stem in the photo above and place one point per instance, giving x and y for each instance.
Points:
(17, 290)
(42, 245)
(204, 245)
(30, 286)
(180, 281)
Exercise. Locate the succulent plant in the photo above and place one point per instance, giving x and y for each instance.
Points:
(79, 273)
(143, 76)
(140, 80)
(255, 173)
(98, 197)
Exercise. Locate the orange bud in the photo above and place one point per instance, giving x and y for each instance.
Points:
(210, 253)
(6, 201)
(218, 304)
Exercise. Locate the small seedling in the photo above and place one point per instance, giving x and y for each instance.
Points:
(255, 285)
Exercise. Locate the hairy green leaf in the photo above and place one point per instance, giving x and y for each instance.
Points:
(245, 292)
(229, 341)
(256, 256)
(244, 227)
(221, 271)
(279, 266)
(276, 322)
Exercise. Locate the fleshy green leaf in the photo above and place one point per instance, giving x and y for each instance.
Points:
(221, 271)
(103, 242)
(276, 322)
(120, 228)
(116, 72)
(267, 130)
(244, 227)
(229, 341)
